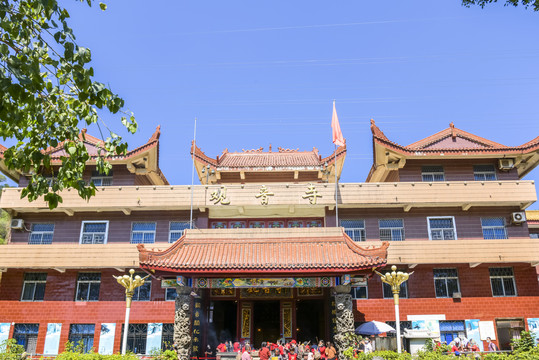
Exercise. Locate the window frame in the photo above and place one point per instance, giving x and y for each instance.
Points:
(484, 173)
(89, 282)
(442, 217)
(26, 335)
(512, 277)
(83, 336)
(41, 232)
(143, 232)
(432, 173)
(103, 179)
(445, 280)
(105, 240)
(366, 286)
(494, 227)
(35, 282)
(362, 231)
(166, 294)
(170, 231)
(402, 228)
(404, 284)
(136, 294)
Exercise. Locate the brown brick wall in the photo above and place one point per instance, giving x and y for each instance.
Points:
(455, 170)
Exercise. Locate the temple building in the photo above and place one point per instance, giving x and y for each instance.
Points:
(277, 249)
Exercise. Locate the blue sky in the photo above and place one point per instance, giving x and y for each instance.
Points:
(261, 72)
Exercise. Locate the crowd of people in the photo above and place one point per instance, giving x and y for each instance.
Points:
(459, 346)
(282, 350)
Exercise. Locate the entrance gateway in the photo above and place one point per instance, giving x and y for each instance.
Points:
(262, 284)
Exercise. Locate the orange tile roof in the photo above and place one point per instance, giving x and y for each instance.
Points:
(452, 140)
(532, 215)
(262, 251)
(283, 158)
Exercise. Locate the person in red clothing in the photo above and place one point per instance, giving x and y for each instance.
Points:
(322, 349)
(264, 352)
(221, 347)
(236, 346)
(292, 354)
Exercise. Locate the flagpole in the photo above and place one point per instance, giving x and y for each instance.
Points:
(193, 175)
(336, 189)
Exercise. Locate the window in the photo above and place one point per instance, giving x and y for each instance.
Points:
(446, 282)
(493, 228)
(33, 288)
(484, 172)
(403, 325)
(449, 330)
(94, 232)
(83, 335)
(101, 179)
(432, 173)
(391, 229)
(360, 291)
(26, 335)
(143, 293)
(175, 230)
(502, 281)
(41, 234)
(167, 337)
(143, 233)
(388, 293)
(355, 229)
(136, 338)
(442, 228)
(170, 294)
(88, 286)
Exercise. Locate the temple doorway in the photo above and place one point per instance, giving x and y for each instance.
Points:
(266, 320)
(310, 324)
(223, 322)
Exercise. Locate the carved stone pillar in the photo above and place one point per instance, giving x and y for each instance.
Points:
(344, 318)
(182, 323)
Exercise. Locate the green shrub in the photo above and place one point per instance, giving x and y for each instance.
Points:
(11, 350)
(524, 344)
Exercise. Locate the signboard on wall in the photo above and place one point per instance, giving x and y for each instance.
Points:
(4, 333)
(106, 338)
(153, 339)
(486, 329)
(533, 326)
(52, 339)
(472, 332)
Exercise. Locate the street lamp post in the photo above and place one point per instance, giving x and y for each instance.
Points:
(395, 279)
(130, 284)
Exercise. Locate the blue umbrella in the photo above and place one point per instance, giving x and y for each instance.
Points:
(373, 328)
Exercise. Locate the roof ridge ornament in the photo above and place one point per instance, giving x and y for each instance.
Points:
(287, 150)
(453, 132)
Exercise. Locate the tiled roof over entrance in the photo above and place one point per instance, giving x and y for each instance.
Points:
(258, 158)
(263, 251)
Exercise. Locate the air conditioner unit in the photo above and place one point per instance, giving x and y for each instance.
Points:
(518, 217)
(457, 295)
(506, 164)
(17, 224)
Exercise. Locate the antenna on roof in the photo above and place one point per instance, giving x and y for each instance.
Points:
(193, 175)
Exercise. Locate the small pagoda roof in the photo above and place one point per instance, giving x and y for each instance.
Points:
(282, 161)
(450, 143)
(281, 252)
(143, 160)
(532, 217)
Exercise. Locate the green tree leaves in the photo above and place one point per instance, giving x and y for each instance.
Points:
(534, 4)
(47, 89)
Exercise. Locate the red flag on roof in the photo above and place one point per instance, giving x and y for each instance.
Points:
(338, 139)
